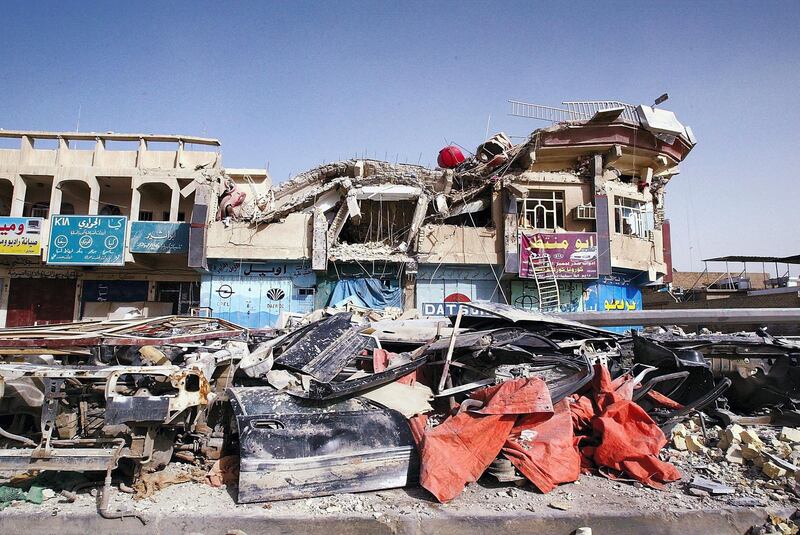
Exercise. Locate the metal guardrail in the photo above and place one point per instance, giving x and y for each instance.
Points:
(587, 108)
(575, 111)
(707, 316)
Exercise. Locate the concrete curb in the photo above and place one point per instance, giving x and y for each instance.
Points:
(720, 521)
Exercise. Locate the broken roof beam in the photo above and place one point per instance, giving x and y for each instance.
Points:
(416, 221)
(319, 248)
(388, 192)
(353, 207)
(337, 224)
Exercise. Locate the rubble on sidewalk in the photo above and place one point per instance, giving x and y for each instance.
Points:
(351, 400)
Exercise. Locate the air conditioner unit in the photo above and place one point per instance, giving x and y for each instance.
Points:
(585, 212)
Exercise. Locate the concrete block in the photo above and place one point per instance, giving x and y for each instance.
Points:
(772, 470)
(748, 436)
(680, 431)
(783, 450)
(734, 454)
(751, 452)
(789, 434)
(679, 443)
(730, 436)
(695, 443)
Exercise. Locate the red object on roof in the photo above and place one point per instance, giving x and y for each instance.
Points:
(450, 157)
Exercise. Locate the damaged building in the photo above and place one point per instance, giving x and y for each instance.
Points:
(301, 370)
(572, 219)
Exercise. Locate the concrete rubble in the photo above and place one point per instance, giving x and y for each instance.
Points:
(351, 400)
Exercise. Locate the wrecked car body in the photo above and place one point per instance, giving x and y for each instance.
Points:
(290, 447)
(761, 370)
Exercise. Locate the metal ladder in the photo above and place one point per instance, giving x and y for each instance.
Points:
(546, 283)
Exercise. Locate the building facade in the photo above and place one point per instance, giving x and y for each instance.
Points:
(572, 219)
(96, 226)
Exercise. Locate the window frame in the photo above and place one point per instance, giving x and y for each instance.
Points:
(547, 205)
(637, 214)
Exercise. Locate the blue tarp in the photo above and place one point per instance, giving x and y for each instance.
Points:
(364, 292)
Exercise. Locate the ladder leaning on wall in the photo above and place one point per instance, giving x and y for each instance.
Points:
(546, 283)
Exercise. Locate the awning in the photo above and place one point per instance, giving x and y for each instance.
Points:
(794, 259)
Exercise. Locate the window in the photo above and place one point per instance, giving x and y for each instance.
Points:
(632, 217)
(40, 209)
(145, 215)
(543, 210)
(181, 216)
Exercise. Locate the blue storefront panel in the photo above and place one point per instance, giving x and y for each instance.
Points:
(439, 289)
(254, 294)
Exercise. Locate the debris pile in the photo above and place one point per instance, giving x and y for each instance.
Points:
(752, 464)
(354, 400)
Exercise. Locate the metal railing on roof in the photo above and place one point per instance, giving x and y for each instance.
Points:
(575, 111)
(587, 108)
(545, 113)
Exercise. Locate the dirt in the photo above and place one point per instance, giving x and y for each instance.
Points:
(588, 494)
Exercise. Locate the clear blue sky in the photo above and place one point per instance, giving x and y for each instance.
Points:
(297, 83)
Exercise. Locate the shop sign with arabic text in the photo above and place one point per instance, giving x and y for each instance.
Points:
(21, 235)
(159, 237)
(87, 240)
(573, 255)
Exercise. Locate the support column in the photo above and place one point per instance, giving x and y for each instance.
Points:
(18, 197)
(55, 198)
(4, 300)
(510, 232)
(94, 195)
(174, 202)
(136, 198)
(319, 244)
(416, 222)
(602, 220)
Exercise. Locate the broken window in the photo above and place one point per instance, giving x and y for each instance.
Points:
(633, 217)
(381, 221)
(542, 210)
(476, 213)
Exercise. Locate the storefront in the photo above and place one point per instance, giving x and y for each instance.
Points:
(440, 288)
(84, 274)
(369, 285)
(254, 294)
